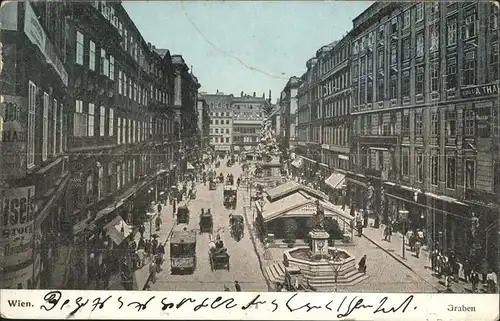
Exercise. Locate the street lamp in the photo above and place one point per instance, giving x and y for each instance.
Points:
(336, 266)
(403, 215)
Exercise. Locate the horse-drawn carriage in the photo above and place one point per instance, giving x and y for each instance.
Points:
(206, 222)
(230, 195)
(218, 256)
(183, 215)
(237, 225)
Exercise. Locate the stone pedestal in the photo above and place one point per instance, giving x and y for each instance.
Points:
(319, 242)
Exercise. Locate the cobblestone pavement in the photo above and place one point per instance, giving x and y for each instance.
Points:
(244, 262)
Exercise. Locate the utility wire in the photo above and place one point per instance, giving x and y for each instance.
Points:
(229, 55)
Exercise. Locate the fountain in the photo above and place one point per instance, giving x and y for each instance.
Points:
(320, 264)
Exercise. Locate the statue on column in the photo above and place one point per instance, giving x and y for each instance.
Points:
(319, 217)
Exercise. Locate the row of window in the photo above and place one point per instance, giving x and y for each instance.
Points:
(127, 130)
(385, 124)
(127, 86)
(335, 135)
(433, 169)
(333, 60)
(338, 106)
(52, 125)
(216, 130)
(339, 82)
(221, 114)
(222, 121)
(221, 140)
(245, 139)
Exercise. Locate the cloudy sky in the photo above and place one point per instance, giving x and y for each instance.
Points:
(236, 46)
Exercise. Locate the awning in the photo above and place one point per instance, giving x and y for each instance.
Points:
(189, 166)
(335, 180)
(297, 162)
(114, 230)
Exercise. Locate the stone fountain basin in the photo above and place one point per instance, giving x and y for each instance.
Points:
(319, 268)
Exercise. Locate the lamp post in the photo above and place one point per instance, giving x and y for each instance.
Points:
(403, 214)
(336, 266)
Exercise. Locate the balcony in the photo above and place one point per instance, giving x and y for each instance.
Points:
(91, 143)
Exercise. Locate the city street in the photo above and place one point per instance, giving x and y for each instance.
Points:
(243, 259)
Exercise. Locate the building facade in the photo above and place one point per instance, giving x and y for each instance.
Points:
(221, 120)
(248, 117)
(95, 108)
(425, 120)
(288, 114)
(203, 123)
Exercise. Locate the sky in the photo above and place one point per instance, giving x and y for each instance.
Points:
(250, 46)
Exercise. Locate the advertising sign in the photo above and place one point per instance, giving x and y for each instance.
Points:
(16, 219)
(13, 139)
(479, 91)
(37, 36)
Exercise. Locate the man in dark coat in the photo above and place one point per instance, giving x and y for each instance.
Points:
(362, 264)
(237, 286)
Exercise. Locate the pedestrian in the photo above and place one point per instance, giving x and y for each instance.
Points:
(152, 270)
(158, 222)
(161, 252)
(237, 286)
(362, 264)
(491, 281)
(142, 229)
(352, 210)
(154, 246)
(418, 245)
(474, 279)
(159, 208)
(467, 270)
(226, 289)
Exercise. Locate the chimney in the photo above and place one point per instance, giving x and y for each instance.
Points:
(269, 95)
(254, 94)
(263, 95)
(217, 91)
(241, 94)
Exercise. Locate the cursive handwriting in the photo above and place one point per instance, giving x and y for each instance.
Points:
(308, 306)
(296, 302)
(403, 305)
(141, 306)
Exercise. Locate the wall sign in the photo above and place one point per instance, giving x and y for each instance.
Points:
(478, 91)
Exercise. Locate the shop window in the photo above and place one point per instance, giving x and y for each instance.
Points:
(420, 166)
(435, 168)
(91, 120)
(470, 173)
(405, 161)
(451, 171)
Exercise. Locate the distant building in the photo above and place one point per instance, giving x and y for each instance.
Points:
(248, 117)
(221, 120)
(288, 114)
(203, 123)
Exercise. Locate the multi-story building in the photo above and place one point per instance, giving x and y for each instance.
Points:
(335, 102)
(288, 114)
(203, 123)
(425, 120)
(248, 117)
(98, 104)
(221, 120)
(309, 118)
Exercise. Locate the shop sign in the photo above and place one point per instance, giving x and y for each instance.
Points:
(16, 243)
(13, 139)
(478, 91)
(36, 34)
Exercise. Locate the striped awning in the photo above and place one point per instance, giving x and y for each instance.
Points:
(335, 180)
